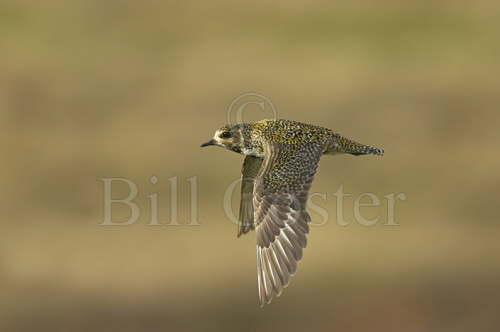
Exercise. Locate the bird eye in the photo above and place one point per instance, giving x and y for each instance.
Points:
(226, 134)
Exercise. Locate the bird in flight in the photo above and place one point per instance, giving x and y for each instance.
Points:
(281, 158)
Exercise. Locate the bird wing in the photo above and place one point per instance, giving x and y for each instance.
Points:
(251, 167)
(281, 220)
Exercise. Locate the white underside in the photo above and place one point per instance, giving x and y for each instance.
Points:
(252, 152)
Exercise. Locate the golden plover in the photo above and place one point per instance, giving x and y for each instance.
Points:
(282, 157)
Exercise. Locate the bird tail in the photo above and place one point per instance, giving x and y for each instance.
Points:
(341, 144)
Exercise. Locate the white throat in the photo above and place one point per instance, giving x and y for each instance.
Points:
(252, 152)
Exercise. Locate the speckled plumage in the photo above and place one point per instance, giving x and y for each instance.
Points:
(282, 157)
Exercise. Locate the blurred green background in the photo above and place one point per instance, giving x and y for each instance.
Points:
(92, 89)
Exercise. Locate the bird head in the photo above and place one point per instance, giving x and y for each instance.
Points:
(230, 137)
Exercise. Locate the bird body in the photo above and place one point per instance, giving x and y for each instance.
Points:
(282, 157)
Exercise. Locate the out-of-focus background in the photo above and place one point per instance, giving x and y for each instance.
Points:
(98, 89)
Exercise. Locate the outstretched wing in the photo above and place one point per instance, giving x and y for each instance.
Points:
(280, 197)
(251, 167)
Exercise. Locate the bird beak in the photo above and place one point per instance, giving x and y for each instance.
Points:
(211, 142)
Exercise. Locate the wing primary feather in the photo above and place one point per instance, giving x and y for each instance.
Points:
(301, 237)
(274, 271)
(279, 270)
(289, 254)
(265, 277)
(260, 281)
(280, 252)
